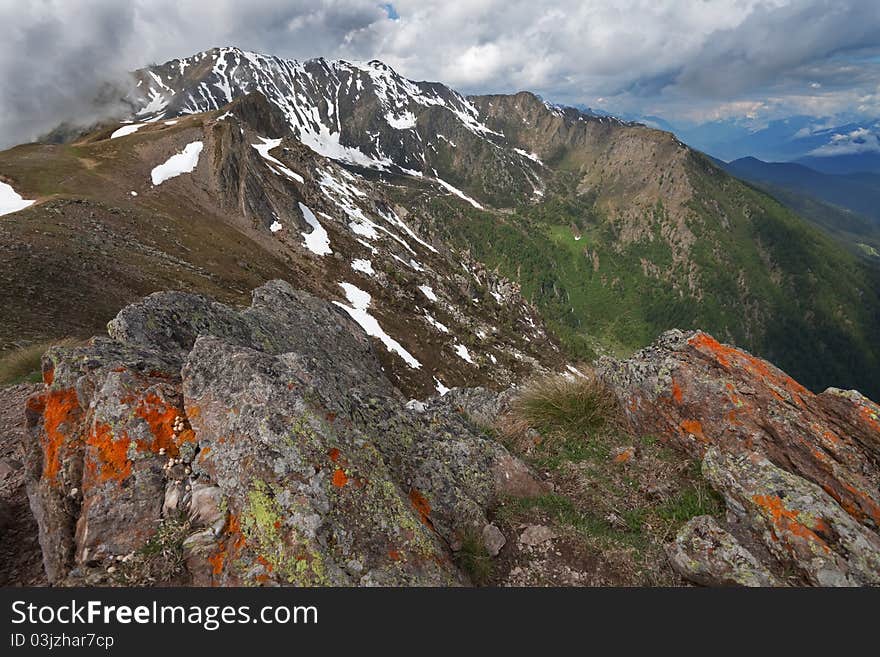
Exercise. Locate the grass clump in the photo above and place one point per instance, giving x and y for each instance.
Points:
(162, 559)
(564, 403)
(23, 365)
(473, 558)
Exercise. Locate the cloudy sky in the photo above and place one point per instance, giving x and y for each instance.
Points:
(684, 60)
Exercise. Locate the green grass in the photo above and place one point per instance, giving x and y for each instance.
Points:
(696, 500)
(563, 511)
(766, 280)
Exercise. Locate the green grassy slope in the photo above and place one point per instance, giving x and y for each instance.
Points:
(757, 275)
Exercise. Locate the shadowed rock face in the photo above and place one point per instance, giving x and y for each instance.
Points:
(799, 472)
(273, 429)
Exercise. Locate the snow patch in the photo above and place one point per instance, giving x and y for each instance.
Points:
(433, 322)
(129, 129)
(439, 387)
(428, 292)
(276, 226)
(184, 162)
(459, 193)
(463, 353)
(360, 302)
(364, 266)
(531, 156)
(264, 148)
(10, 200)
(405, 121)
(318, 242)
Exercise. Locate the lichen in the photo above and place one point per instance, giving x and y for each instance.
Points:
(289, 557)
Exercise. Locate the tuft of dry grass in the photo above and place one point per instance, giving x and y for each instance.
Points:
(576, 405)
(23, 365)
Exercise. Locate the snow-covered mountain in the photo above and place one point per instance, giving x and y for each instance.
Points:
(362, 114)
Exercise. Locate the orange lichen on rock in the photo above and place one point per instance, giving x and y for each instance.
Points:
(422, 507)
(870, 417)
(340, 478)
(334, 455)
(676, 392)
(786, 520)
(731, 358)
(394, 555)
(60, 411)
(867, 506)
(112, 462)
(694, 428)
(49, 375)
(160, 417)
(217, 560)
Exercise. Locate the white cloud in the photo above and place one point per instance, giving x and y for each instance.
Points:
(648, 56)
(860, 140)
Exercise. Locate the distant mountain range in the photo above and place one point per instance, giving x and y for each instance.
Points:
(846, 205)
(825, 145)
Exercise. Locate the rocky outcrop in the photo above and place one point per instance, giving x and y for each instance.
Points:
(269, 436)
(707, 554)
(799, 472)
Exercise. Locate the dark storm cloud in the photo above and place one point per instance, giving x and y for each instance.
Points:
(701, 59)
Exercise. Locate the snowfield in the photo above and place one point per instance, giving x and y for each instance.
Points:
(10, 200)
(405, 121)
(184, 162)
(360, 301)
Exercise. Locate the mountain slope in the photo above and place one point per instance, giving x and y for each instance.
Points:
(251, 208)
(614, 230)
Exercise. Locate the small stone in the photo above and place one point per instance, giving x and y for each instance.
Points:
(535, 535)
(6, 469)
(623, 454)
(493, 539)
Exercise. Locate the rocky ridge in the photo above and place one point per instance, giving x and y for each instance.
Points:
(799, 472)
(271, 433)
(266, 445)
